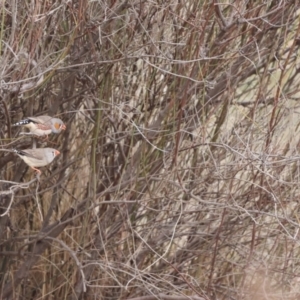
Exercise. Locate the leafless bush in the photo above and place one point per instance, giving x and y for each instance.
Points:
(178, 175)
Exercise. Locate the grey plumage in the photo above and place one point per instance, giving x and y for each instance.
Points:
(38, 157)
(42, 125)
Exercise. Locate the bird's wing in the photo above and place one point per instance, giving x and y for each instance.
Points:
(40, 119)
(31, 153)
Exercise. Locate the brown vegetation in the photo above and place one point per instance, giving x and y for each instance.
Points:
(178, 176)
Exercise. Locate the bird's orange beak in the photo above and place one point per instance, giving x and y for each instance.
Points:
(57, 152)
(63, 127)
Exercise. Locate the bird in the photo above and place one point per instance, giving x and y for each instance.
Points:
(42, 125)
(38, 157)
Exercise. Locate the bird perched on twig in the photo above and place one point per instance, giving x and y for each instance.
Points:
(38, 157)
(42, 125)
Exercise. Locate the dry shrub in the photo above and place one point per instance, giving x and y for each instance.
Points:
(178, 175)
